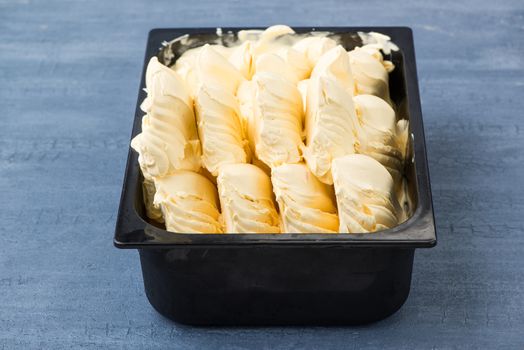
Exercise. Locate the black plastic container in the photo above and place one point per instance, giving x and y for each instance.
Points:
(254, 279)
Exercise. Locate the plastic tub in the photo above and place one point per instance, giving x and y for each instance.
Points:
(286, 279)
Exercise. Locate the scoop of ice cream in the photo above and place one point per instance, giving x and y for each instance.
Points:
(246, 200)
(189, 203)
(169, 139)
(365, 194)
(162, 81)
(273, 63)
(214, 70)
(335, 64)
(275, 31)
(377, 133)
(185, 67)
(268, 40)
(209, 65)
(246, 56)
(297, 61)
(330, 114)
(277, 119)
(306, 205)
(370, 72)
(220, 128)
(314, 47)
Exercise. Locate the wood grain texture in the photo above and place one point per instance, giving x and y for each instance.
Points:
(68, 83)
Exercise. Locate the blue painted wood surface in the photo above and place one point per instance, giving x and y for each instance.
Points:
(68, 83)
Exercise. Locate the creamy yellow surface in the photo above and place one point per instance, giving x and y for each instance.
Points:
(306, 204)
(370, 72)
(330, 113)
(246, 199)
(365, 194)
(276, 116)
(378, 135)
(189, 203)
(169, 139)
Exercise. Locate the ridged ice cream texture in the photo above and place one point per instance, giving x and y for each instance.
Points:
(371, 72)
(365, 195)
(253, 98)
(217, 111)
(169, 139)
(338, 123)
(246, 199)
(189, 203)
(379, 134)
(306, 204)
(275, 122)
(330, 113)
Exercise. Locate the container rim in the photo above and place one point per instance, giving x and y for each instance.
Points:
(132, 231)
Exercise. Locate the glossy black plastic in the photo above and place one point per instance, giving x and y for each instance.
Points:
(248, 279)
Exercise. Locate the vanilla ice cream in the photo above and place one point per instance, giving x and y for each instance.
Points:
(169, 139)
(246, 200)
(242, 59)
(365, 194)
(371, 72)
(314, 47)
(274, 114)
(377, 133)
(217, 110)
(256, 43)
(277, 119)
(189, 203)
(306, 205)
(330, 113)
(297, 61)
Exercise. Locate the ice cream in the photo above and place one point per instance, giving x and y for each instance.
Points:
(185, 67)
(377, 133)
(297, 61)
(269, 102)
(246, 199)
(273, 63)
(370, 72)
(271, 113)
(189, 203)
(302, 88)
(365, 194)
(169, 139)
(242, 59)
(213, 69)
(277, 115)
(217, 110)
(306, 205)
(246, 99)
(257, 43)
(314, 47)
(330, 113)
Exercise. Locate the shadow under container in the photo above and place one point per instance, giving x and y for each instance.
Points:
(286, 279)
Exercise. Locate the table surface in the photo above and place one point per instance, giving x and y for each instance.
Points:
(69, 75)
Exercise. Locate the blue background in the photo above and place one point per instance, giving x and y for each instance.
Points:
(69, 75)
